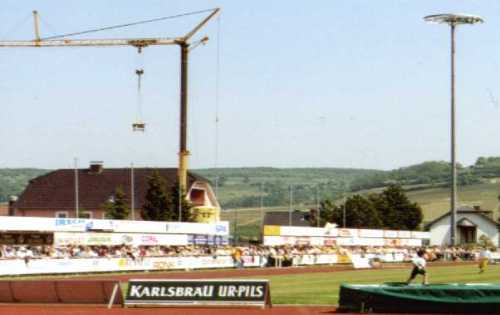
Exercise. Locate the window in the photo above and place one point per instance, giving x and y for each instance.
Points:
(197, 197)
(61, 214)
(86, 215)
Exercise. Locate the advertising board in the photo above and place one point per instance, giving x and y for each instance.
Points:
(135, 239)
(217, 292)
(301, 231)
(118, 226)
(371, 233)
(404, 234)
(390, 234)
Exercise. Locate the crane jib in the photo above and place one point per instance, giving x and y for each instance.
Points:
(141, 42)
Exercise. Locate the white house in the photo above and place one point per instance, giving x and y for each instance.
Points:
(472, 223)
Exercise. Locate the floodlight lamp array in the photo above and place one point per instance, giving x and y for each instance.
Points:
(453, 19)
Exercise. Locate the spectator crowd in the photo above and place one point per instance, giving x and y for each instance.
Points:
(272, 255)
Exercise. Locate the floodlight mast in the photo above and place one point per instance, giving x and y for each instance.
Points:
(183, 42)
(453, 20)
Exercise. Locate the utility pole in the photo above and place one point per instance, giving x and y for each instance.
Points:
(262, 204)
(77, 210)
(318, 210)
(236, 236)
(290, 206)
(132, 191)
(343, 211)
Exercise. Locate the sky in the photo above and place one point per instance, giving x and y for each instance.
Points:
(338, 83)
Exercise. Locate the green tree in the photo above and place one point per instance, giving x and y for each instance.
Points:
(396, 210)
(359, 213)
(173, 209)
(157, 201)
(326, 209)
(117, 207)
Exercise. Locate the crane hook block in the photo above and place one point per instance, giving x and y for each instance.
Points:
(139, 126)
(139, 72)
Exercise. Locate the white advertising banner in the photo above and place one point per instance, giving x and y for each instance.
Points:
(360, 262)
(10, 267)
(371, 233)
(341, 241)
(301, 231)
(135, 239)
(411, 242)
(420, 235)
(360, 241)
(297, 240)
(390, 234)
(57, 266)
(347, 232)
(8, 223)
(404, 234)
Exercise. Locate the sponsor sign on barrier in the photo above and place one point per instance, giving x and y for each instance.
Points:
(360, 262)
(207, 240)
(118, 226)
(216, 292)
(314, 235)
(371, 233)
(404, 234)
(135, 239)
(75, 265)
(390, 234)
(342, 241)
(301, 231)
(348, 232)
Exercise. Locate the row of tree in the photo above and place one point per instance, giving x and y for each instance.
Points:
(390, 209)
(161, 203)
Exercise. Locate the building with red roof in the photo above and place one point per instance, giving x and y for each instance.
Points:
(54, 194)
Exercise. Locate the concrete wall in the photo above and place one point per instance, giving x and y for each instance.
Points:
(440, 231)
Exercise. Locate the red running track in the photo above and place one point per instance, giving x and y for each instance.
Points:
(26, 309)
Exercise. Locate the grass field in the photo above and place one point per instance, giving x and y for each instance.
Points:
(323, 288)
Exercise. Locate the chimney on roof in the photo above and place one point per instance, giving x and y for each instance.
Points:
(12, 205)
(96, 167)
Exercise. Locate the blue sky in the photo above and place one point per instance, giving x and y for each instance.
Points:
(341, 83)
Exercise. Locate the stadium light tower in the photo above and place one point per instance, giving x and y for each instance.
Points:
(453, 20)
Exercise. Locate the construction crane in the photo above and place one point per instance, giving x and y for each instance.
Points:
(183, 42)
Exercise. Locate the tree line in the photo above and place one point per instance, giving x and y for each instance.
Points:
(390, 209)
(161, 203)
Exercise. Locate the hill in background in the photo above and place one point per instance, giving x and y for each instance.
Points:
(14, 180)
(276, 188)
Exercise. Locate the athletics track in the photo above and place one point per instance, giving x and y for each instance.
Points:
(27, 309)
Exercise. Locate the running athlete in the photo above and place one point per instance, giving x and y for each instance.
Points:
(419, 264)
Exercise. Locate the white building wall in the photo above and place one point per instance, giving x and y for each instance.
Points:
(440, 230)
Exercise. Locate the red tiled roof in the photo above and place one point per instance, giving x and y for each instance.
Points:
(56, 190)
(4, 209)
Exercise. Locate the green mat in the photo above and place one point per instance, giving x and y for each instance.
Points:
(415, 298)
